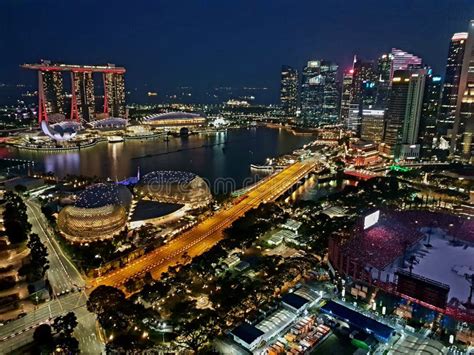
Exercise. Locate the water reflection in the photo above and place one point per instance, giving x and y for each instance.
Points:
(212, 156)
(313, 190)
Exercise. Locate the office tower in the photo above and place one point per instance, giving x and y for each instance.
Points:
(429, 114)
(330, 92)
(311, 94)
(402, 60)
(53, 91)
(319, 94)
(114, 95)
(463, 129)
(384, 65)
(289, 90)
(414, 105)
(83, 86)
(346, 95)
(353, 120)
(364, 83)
(403, 114)
(373, 125)
(451, 83)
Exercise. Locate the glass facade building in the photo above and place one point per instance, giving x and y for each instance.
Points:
(289, 90)
(319, 94)
(462, 138)
(451, 83)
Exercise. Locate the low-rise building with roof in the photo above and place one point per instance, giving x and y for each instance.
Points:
(294, 302)
(247, 335)
(281, 235)
(292, 225)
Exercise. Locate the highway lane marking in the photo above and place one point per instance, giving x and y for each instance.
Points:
(267, 191)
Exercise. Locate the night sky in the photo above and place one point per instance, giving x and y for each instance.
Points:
(204, 43)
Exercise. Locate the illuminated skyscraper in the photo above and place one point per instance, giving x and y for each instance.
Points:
(384, 66)
(53, 91)
(346, 96)
(114, 96)
(462, 144)
(289, 90)
(358, 92)
(354, 119)
(319, 94)
(311, 94)
(82, 107)
(364, 84)
(429, 114)
(373, 125)
(83, 84)
(451, 83)
(403, 114)
(402, 60)
(330, 92)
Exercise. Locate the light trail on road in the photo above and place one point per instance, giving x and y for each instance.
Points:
(207, 233)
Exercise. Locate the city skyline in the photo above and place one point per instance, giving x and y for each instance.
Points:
(259, 177)
(288, 32)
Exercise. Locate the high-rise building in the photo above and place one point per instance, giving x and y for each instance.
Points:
(462, 144)
(83, 85)
(403, 114)
(353, 120)
(451, 84)
(402, 60)
(53, 89)
(363, 92)
(384, 65)
(114, 96)
(319, 94)
(373, 125)
(51, 97)
(429, 114)
(346, 95)
(330, 92)
(364, 83)
(311, 94)
(289, 90)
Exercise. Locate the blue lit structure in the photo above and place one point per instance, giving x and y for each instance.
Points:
(357, 320)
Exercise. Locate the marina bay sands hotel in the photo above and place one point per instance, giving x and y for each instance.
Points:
(83, 105)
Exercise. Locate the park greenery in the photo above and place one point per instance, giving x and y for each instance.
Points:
(18, 233)
(201, 299)
(15, 219)
(57, 338)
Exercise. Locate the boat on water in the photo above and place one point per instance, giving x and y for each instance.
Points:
(115, 139)
(266, 168)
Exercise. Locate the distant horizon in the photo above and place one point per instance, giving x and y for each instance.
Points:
(207, 44)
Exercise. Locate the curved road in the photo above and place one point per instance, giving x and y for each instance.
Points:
(206, 234)
(66, 282)
(64, 276)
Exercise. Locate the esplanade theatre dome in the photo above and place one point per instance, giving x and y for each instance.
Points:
(175, 187)
(100, 212)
